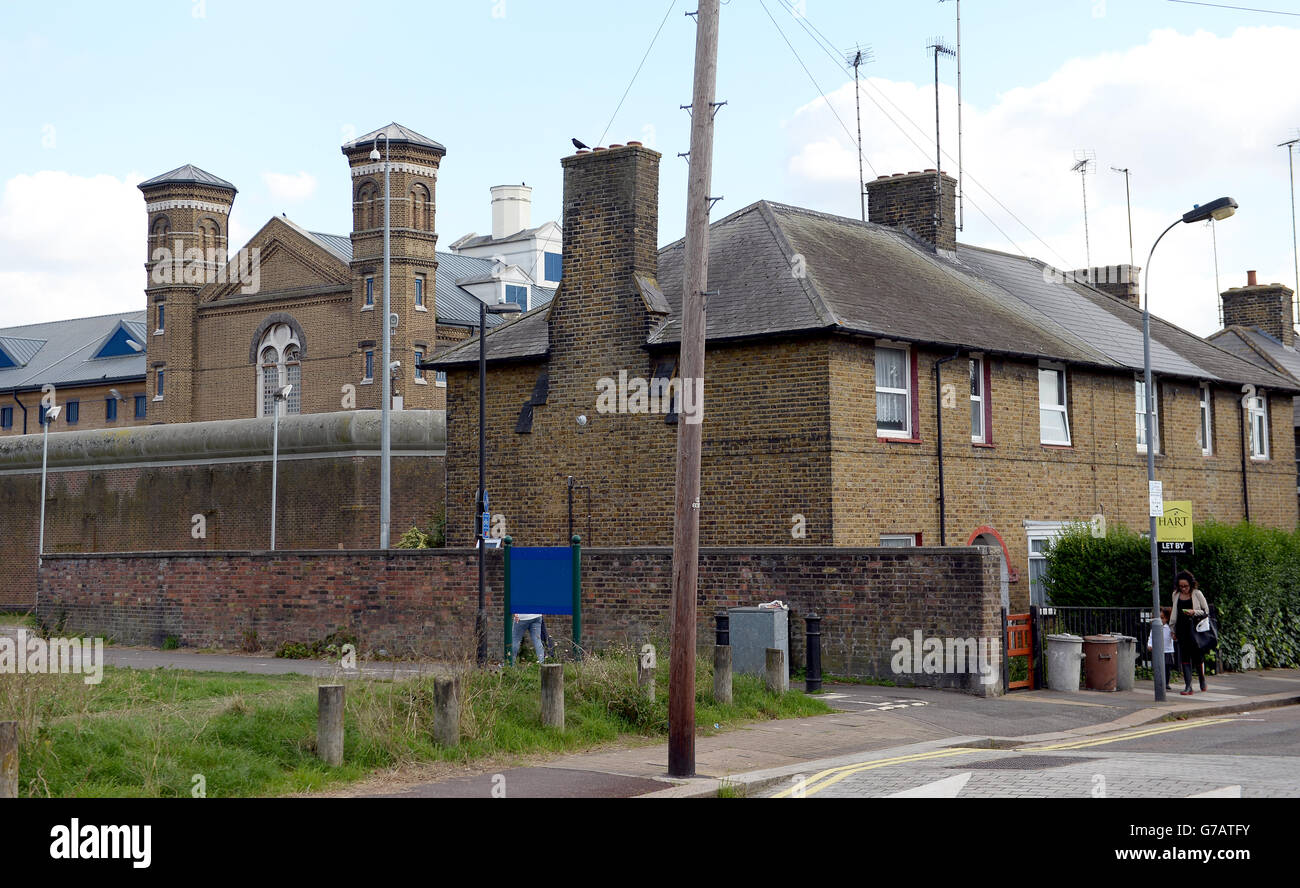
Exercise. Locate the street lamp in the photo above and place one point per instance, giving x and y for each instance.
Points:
(1217, 210)
(280, 397)
(480, 617)
(385, 434)
(51, 414)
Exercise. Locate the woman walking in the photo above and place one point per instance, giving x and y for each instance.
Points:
(1189, 607)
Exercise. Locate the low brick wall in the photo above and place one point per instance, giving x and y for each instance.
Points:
(422, 602)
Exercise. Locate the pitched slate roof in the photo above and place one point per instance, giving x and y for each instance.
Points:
(395, 133)
(187, 174)
(65, 354)
(1259, 348)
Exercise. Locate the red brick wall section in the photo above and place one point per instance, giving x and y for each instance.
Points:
(422, 602)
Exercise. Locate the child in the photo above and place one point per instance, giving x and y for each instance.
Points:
(1168, 644)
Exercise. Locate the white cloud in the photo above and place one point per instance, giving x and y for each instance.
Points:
(1194, 116)
(70, 246)
(290, 188)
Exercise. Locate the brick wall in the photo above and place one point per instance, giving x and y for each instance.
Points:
(92, 412)
(423, 602)
(912, 201)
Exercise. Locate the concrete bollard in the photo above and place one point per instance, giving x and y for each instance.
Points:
(645, 675)
(553, 695)
(9, 760)
(446, 710)
(776, 675)
(329, 724)
(722, 673)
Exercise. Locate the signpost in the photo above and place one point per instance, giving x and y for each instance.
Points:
(1174, 529)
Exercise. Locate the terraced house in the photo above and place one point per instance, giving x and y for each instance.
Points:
(867, 384)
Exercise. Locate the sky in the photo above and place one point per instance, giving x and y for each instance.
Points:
(1191, 98)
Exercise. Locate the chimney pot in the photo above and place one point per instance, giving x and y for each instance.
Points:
(1250, 279)
(634, 144)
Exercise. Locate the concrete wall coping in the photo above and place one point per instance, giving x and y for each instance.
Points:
(348, 430)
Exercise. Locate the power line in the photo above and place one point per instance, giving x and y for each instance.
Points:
(1237, 8)
(601, 140)
(820, 91)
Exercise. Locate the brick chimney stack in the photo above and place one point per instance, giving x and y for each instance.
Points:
(1266, 307)
(908, 201)
(1120, 281)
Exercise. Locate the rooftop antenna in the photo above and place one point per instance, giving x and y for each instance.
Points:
(940, 48)
(1085, 163)
(1128, 201)
(961, 207)
(856, 57)
(1290, 163)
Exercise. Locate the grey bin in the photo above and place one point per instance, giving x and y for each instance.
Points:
(1064, 657)
(753, 631)
(1127, 657)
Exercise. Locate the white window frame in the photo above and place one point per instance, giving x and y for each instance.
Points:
(1205, 431)
(1039, 531)
(981, 399)
(286, 366)
(907, 432)
(160, 382)
(1063, 408)
(1258, 409)
(161, 313)
(419, 359)
(440, 378)
(1141, 415)
(898, 540)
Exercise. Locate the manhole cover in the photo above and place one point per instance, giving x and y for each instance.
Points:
(1024, 763)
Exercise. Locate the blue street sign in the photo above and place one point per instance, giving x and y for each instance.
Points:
(487, 517)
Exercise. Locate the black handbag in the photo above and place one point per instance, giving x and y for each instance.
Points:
(1205, 631)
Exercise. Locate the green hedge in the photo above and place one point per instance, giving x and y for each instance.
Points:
(1250, 574)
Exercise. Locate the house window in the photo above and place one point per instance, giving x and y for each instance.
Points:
(1205, 432)
(893, 393)
(141, 406)
(1140, 407)
(1053, 418)
(898, 540)
(419, 291)
(978, 403)
(162, 318)
(419, 359)
(518, 295)
(1258, 414)
(6, 417)
(110, 409)
(370, 292)
(370, 365)
(279, 364)
(554, 266)
(158, 394)
(72, 410)
(1041, 534)
(440, 377)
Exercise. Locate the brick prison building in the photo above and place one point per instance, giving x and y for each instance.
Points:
(840, 355)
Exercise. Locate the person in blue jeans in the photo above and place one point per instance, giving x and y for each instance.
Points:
(532, 624)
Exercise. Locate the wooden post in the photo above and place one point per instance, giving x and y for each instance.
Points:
(777, 676)
(9, 760)
(722, 673)
(645, 677)
(329, 724)
(553, 695)
(446, 710)
(686, 523)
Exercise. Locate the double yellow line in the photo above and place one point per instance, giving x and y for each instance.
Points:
(831, 776)
(822, 779)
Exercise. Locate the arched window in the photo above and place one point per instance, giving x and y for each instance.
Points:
(162, 227)
(280, 365)
(370, 212)
(421, 208)
(209, 232)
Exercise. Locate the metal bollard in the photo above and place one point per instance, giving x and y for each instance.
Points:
(813, 632)
(722, 634)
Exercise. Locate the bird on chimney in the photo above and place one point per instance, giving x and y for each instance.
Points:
(579, 145)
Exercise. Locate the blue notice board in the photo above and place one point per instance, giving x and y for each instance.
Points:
(541, 580)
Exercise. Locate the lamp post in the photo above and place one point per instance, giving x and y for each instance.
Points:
(51, 414)
(385, 434)
(1217, 210)
(280, 397)
(480, 616)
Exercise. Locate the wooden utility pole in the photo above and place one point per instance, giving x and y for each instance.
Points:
(686, 525)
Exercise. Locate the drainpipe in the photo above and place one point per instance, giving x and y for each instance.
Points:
(938, 423)
(1245, 489)
(23, 407)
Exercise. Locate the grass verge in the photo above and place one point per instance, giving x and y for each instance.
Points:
(154, 733)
